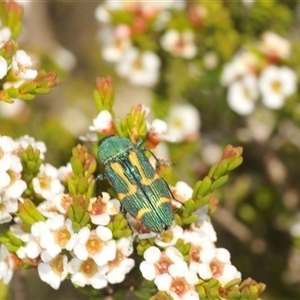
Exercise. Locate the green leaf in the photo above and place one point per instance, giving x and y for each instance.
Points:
(220, 169)
(204, 187)
(220, 181)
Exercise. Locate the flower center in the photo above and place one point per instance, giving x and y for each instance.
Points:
(137, 64)
(57, 265)
(179, 286)
(116, 262)
(276, 86)
(162, 266)
(194, 253)
(45, 182)
(1, 153)
(89, 268)
(62, 236)
(216, 268)
(94, 245)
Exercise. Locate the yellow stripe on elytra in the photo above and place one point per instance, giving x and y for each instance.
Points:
(161, 201)
(132, 189)
(146, 181)
(141, 212)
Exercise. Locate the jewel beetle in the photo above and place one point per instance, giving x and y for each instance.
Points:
(142, 192)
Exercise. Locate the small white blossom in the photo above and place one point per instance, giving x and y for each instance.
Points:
(103, 122)
(275, 46)
(243, 63)
(179, 282)
(54, 272)
(242, 94)
(183, 122)
(121, 265)
(216, 264)
(276, 84)
(54, 235)
(115, 43)
(140, 68)
(5, 34)
(11, 184)
(179, 43)
(181, 191)
(47, 184)
(7, 208)
(169, 237)
(87, 273)
(101, 208)
(96, 244)
(157, 263)
(23, 142)
(6, 265)
(57, 205)
(3, 67)
(21, 65)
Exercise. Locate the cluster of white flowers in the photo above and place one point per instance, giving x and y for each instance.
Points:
(11, 184)
(97, 257)
(21, 63)
(171, 271)
(253, 74)
(141, 67)
(21, 67)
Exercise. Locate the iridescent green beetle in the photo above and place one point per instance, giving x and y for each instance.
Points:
(142, 192)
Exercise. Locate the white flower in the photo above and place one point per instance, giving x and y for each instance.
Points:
(115, 43)
(21, 65)
(6, 265)
(56, 206)
(5, 34)
(158, 131)
(183, 122)
(217, 264)
(54, 272)
(204, 226)
(87, 273)
(157, 262)
(7, 208)
(182, 191)
(243, 63)
(276, 84)
(47, 184)
(141, 68)
(103, 122)
(121, 265)
(64, 172)
(179, 283)
(273, 45)
(101, 208)
(169, 237)
(3, 67)
(96, 244)
(11, 184)
(242, 94)
(54, 235)
(6, 147)
(179, 44)
(24, 141)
